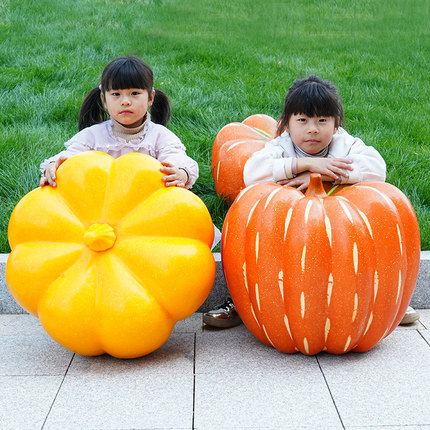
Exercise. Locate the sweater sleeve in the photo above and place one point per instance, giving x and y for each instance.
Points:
(169, 148)
(73, 147)
(367, 163)
(268, 165)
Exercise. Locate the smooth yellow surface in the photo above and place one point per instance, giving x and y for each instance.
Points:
(110, 259)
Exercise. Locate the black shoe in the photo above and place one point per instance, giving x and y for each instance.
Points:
(225, 316)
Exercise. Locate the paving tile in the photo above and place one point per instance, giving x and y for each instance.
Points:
(238, 350)
(151, 392)
(152, 401)
(387, 386)
(270, 427)
(290, 399)
(32, 355)
(417, 325)
(192, 324)
(20, 325)
(425, 317)
(242, 383)
(176, 354)
(25, 400)
(426, 335)
(419, 427)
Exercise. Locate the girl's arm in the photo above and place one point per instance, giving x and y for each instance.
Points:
(302, 180)
(268, 165)
(180, 169)
(175, 176)
(367, 163)
(50, 165)
(332, 170)
(271, 165)
(49, 174)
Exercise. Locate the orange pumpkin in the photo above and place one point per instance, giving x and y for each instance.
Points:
(232, 147)
(316, 272)
(110, 259)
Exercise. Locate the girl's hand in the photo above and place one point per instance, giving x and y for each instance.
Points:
(49, 175)
(301, 181)
(331, 167)
(175, 176)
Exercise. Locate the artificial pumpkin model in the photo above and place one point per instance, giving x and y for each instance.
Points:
(315, 273)
(110, 259)
(232, 147)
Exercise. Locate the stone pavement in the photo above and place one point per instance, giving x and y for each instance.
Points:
(213, 379)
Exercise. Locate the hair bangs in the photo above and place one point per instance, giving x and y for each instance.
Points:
(314, 100)
(312, 97)
(126, 73)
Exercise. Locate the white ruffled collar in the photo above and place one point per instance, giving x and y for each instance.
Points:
(140, 133)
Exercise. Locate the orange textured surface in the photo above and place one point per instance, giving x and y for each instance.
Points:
(315, 273)
(232, 147)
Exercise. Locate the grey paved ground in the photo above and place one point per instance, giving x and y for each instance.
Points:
(206, 379)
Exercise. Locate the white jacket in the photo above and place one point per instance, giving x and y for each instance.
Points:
(273, 163)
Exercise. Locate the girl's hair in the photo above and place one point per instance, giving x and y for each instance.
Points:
(311, 96)
(123, 73)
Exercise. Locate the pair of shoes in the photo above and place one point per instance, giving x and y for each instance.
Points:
(225, 316)
(410, 316)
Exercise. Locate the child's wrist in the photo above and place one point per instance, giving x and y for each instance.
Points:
(294, 167)
(302, 165)
(186, 173)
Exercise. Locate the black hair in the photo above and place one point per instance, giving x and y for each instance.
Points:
(124, 73)
(313, 97)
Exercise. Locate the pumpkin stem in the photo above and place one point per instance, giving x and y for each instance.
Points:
(316, 188)
(99, 237)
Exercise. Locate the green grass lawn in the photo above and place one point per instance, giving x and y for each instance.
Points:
(219, 61)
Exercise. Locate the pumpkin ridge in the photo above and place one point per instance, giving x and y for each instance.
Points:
(66, 203)
(82, 181)
(138, 206)
(148, 291)
(167, 267)
(105, 199)
(18, 249)
(142, 161)
(144, 220)
(357, 295)
(86, 260)
(375, 315)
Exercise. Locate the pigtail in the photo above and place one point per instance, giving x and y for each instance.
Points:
(160, 109)
(92, 110)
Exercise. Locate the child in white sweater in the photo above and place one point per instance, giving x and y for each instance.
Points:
(310, 140)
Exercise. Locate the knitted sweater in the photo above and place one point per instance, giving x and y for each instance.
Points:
(273, 163)
(113, 139)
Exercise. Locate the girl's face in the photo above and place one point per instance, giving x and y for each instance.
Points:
(128, 106)
(311, 134)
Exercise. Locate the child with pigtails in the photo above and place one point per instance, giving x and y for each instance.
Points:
(115, 119)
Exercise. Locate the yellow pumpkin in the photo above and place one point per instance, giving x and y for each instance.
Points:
(110, 259)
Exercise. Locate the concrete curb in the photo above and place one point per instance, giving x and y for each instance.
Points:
(420, 299)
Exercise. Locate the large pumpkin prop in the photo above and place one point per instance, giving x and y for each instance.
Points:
(232, 147)
(110, 259)
(321, 273)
